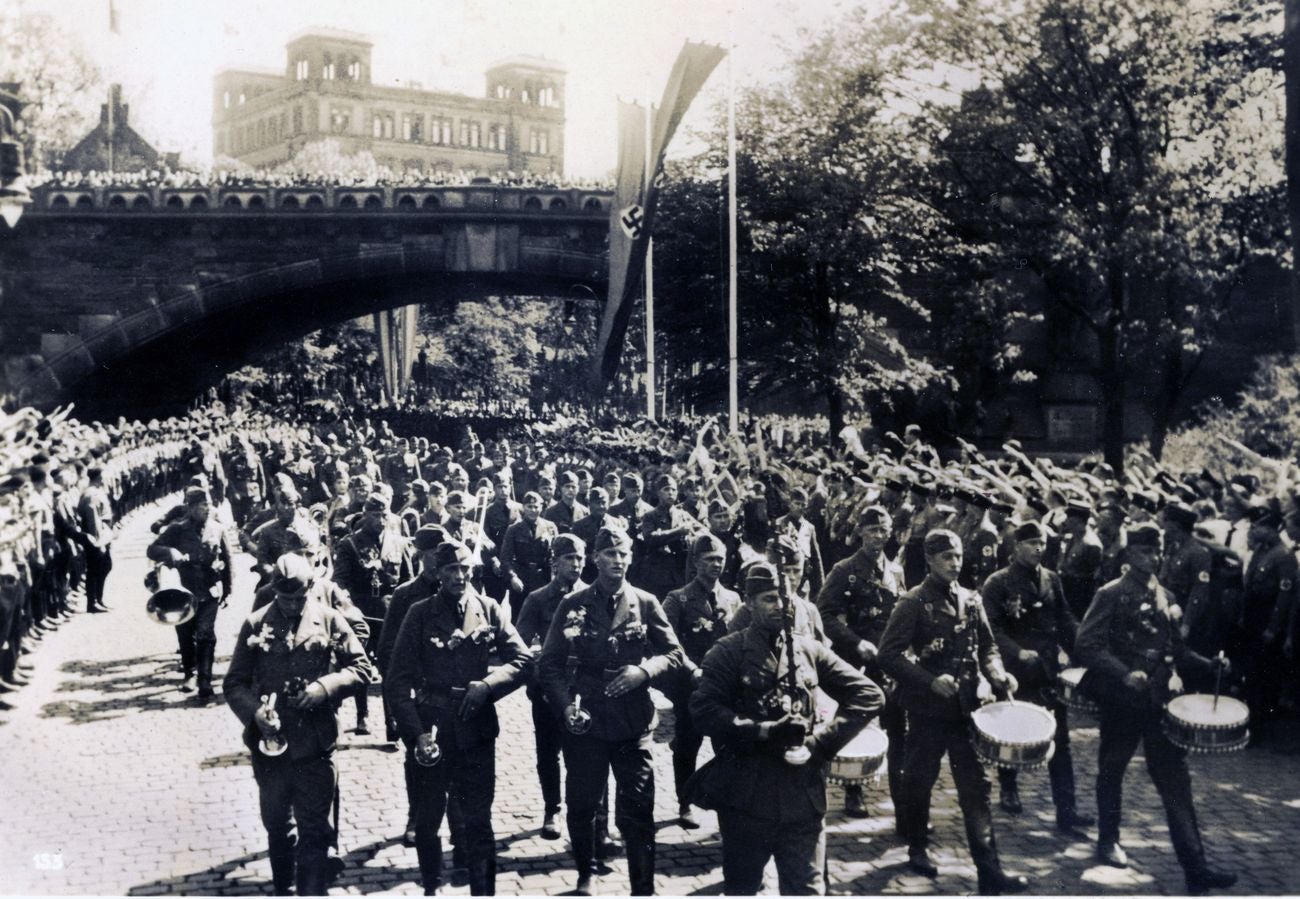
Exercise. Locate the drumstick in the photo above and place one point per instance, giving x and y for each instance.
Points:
(1218, 673)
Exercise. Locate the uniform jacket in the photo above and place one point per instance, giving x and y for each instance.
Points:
(207, 574)
(805, 537)
(360, 569)
(1027, 610)
(699, 618)
(856, 601)
(564, 515)
(592, 637)
(270, 651)
(442, 646)
(1133, 627)
(946, 631)
(526, 551)
(742, 687)
(1185, 573)
(333, 596)
(407, 594)
(1270, 590)
(981, 558)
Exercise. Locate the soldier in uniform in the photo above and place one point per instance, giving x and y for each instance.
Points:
(855, 603)
(525, 550)
(304, 653)
(944, 628)
(1032, 623)
(197, 546)
(1079, 559)
(698, 613)
(767, 806)
(500, 514)
(982, 543)
(566, 510)
(606, 643)
(567, 556)
(1130, 643)
(1268, 598)
(805, 536)
(95, 517)
(632, 509)
(439, 677)
(664, 533)
(722, 526)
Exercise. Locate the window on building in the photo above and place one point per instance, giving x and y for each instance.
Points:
(412, 127)
(496, 137)
(297, 120)
(469, 134)
(327, 70)
(354, 70)
(501, 91)
(301, 69)
(225, 100)
(241, 98)
(382, 125)
(539, 142)
(546, 97)
(340, 119)
(523, 95)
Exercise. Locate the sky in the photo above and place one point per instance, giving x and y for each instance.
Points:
(168, 51)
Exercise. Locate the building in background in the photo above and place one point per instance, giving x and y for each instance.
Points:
(264, 117)
(113, 145)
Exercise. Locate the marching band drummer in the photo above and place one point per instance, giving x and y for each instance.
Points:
(304, 653)
(1033, 625)
(1130, 641)
(943, 626)
(768, 807)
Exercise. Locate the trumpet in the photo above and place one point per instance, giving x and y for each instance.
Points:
(427, 752)
(171, 604)
(577, 720)
(275, 744)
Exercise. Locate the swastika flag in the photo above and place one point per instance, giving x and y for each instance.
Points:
(632, 218)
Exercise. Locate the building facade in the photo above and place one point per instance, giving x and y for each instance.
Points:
(264, 117)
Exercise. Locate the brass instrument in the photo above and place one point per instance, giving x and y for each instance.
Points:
(275, 744)
(798, 700)
(577, 720)
(171, 604)
(427, 752)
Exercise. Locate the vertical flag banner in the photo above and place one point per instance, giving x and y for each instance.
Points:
(632, 214)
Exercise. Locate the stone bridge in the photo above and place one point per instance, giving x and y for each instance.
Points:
(111, 294)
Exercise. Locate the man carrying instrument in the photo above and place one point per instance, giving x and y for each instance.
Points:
(1033, 625)
(944, 628)
(1130, 643)
(197, 546)
(441, 692)
(605, 644)
(767, 779)
(292, 659)
(859, 594)
(698, 613)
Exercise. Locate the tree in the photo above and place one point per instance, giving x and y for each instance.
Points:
(60, 86)
(1105, 151)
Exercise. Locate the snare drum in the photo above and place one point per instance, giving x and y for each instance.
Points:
(1068, 683)
(861, 759)
(1014, 735)
(1195, 723)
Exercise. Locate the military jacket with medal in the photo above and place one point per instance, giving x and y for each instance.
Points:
(699, 617)
(1270, 584)
(592, 637)
(443, 644)
(207, 572)
(1028, 610)
(856, 601)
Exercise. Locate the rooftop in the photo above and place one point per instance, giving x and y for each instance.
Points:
(527, 61)
(334, 34)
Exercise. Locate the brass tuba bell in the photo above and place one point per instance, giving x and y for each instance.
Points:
(171, 604)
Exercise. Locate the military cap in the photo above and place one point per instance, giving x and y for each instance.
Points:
(760, 578)
(800, 494)
(940, 540)
(707, 544)
(428, 537)
(568, 478)
(963, 494)
(875, 515)
(665, 481)
(1180, 515)
(359, 480)
(199, 480)
(293, 575)
(451, 552)
(195, 495)
(420, 485)
(1076, 509)
(613, 538)
(1036, 504)
(981, 500)
(455, 469)
(501, 477)
(458, 498)
(568, 545)
(545, 480)
(717, 507)
(532, 496)
(896, 484)
(1030, 530)
(1145, 534)
(1144, 500)
(632, 479)
(785, 549)
(598, 493)
(1001, 506)
(1265, 515)
(375, 502)
(921, 489)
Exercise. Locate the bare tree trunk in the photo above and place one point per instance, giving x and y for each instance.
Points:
(1291, 69)
(1112, 372)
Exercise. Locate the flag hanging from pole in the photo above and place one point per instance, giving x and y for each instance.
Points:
(632, 214)
(113, 24)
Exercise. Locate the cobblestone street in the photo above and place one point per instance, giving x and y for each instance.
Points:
(116, 783)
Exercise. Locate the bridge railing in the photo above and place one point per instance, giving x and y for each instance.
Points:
(308, 199)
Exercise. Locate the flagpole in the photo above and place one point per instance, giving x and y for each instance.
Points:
(733, 391)
(649, 274)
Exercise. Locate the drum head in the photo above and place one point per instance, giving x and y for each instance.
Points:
(1014, 723)
(1200, 709)
(869, 743)
(1073, 676)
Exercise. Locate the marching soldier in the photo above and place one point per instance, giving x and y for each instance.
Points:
(303, 653)
(606, 643)
(855, 603)
(1268, 598)
(664, 532)
(698, 613)
(1079, 559)
(805, 536)
(1130, 643)
(439, 678)
(566, 510)
(769, 806)
(526, 550)
(198, 548)
(1033, 626)
(944, 628)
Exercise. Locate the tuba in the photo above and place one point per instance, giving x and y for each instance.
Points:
(171, 604)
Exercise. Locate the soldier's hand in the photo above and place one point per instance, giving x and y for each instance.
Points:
(311, 696)
(866, 650)
(477, 694)
(945, 685)
(1028, 656)
(178, 557)
(1136, 680)
(262, 718)
(1221, 661)
(629, 679)
(1007, 683)
(697, 676)
(788, 731)
(515, 584)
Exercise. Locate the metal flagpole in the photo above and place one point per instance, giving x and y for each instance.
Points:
(733, 398)
(649, 274)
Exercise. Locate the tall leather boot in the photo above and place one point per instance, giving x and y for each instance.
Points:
(641, 864)
(283, 866)
(205, 652)
(483, 876)
(313, 872)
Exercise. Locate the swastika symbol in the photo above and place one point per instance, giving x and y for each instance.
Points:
(632, 219)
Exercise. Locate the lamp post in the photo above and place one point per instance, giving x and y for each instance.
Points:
(13, 189)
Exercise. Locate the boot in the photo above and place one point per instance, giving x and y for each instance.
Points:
(363, 711)
(919, 861)
(204, 653)
(999, 883)
(1112, 854)
(1071, 823)
(550, 828)
(686, 817)
(483, 877)
(1011, 798)
(854, 805)
(641, 865)
(1206, 878)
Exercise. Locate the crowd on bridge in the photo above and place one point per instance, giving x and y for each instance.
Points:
(288, 176)
(744, 576)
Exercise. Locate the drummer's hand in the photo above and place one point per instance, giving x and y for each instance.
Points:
(1136, 680)
(631, 677)
(1224, 666)
(945, 685)
(866, 650)
(1007, 683)
(1028, 656)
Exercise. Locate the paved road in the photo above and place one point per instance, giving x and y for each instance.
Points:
(114, 783)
